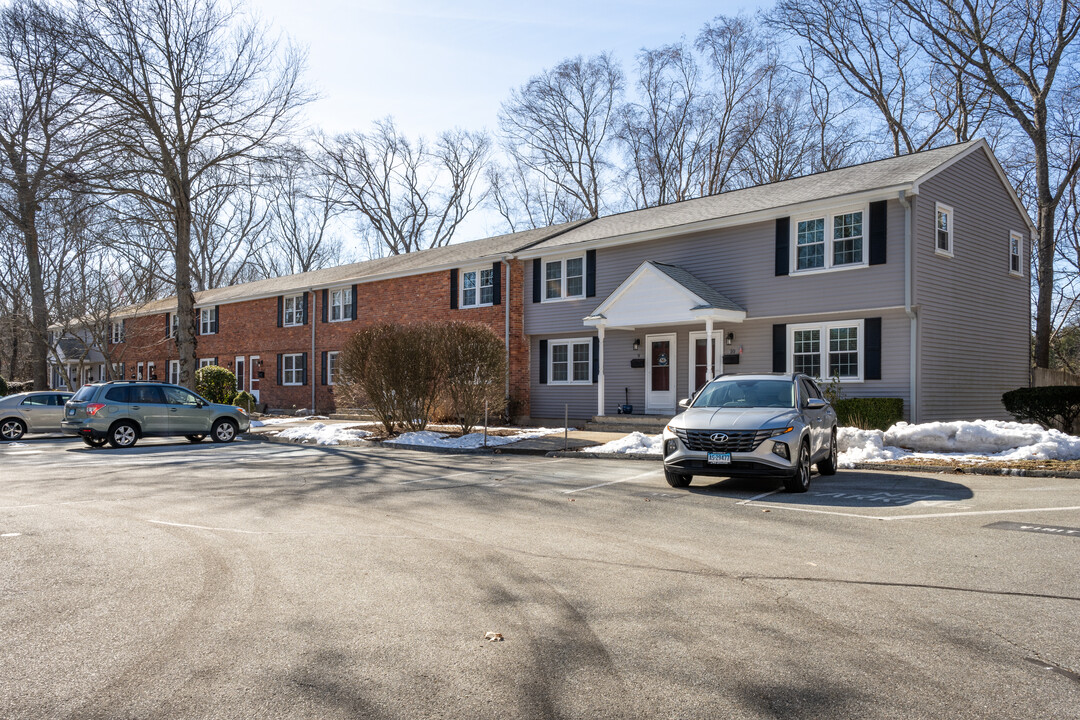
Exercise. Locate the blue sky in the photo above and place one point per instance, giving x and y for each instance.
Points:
(436, 65)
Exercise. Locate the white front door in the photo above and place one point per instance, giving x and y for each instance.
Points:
(253, 376)
(660, 373)
(699, 364)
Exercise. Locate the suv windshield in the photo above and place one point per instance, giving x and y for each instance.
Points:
(745, 393)
(84, 393)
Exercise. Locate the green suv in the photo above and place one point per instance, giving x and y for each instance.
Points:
(119, 413)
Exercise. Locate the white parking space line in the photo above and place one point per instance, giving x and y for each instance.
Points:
(611, 482)
(24, 452)
(981, 512)
(757, 497)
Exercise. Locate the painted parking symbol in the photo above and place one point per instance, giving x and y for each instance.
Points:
(882, 497)
(1036, 528)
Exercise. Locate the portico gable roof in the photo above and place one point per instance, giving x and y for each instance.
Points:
(659, 294)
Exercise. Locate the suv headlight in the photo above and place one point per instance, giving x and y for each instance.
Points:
(773, 432)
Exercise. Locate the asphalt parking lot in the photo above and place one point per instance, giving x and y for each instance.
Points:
(261, 580)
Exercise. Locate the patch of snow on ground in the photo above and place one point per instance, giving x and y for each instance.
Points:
(278, 420)
(430, 438)
(323, 434)
(637, 443)
(966, 441)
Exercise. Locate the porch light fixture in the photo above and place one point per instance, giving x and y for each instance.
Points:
(730, 338)
(637, 345)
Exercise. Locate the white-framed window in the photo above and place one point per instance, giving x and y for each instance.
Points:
(829, 241)
(477, 287)
(331, 368)
(208, 321)
(151, 371)
(564, 279)
(341, 304)
(292, 369)
(1016, 244)
(203, 362)
(943, 230)
(827, 350)
(174, 372)
(116, 332)
(139, 371)
(293, 311)
(570, 362)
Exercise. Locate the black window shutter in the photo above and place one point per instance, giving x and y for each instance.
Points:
(779, 348)
(595, 358)
(590, 273)
(305, 296)
(783, 245)
(168, 324)
(872, 348)
(280, 309)
(280, 368)
(355, 295)
(123, 331)
(543, 361)
(303, 365)
(537, 280)
(323, 374)
(217, 318)
(496, 283)
(325, 304)
(453, 289)
(216, 362)
(878, 222)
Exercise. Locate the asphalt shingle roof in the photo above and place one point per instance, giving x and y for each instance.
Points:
(712, 298)
(834, 183)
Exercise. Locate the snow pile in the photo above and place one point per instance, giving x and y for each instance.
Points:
(284, 420)
(430, 438)
(973, 441)
(637, 443)
(323, 434)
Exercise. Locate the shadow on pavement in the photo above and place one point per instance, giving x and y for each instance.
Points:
(845, 489)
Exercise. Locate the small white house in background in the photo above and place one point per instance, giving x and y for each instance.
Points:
(78, 359)
(905, 277)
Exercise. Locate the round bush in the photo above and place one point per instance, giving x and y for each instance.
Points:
(215, 383)
(244, 400)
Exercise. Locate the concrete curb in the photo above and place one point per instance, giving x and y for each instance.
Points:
(602, 456)
(967, 470)
(501, 450)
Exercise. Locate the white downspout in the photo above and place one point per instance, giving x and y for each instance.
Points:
(311, 366)
(913, 318)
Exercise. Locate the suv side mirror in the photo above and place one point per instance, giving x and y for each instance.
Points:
(685, 402)
(815, 404)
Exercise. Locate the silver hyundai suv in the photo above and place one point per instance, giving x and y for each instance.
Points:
(120, 413)
(753, 425)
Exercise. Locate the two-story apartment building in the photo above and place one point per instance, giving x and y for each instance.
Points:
(904, 277)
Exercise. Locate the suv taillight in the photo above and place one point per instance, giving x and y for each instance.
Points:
(92, 408)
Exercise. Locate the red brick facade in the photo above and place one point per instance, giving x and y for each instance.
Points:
(251, 329)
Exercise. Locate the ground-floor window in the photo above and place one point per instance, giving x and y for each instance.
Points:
(331, 368)
(174, 372)
(571, 361)
(292, 372)
(203, 362)
(828, 350)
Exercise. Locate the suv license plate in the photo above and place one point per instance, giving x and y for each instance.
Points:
(719, 458)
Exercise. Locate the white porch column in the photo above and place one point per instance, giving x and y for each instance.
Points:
(710, 365)
(600, 376)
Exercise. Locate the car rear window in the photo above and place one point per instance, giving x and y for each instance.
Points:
(84, 393)
(117, 394)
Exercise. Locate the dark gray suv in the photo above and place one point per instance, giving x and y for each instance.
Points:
(747, 425)
(120, 413)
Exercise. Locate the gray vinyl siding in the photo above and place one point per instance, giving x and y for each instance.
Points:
(974, 317)
(738, 262)
(753, 338)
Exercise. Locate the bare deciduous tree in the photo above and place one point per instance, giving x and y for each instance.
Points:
(409, 195)
(561, 125)
(192, 88)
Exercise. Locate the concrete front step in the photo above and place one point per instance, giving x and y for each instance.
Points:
(650, 424)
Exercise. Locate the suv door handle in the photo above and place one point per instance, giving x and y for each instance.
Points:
(172, 409)
(136, 407)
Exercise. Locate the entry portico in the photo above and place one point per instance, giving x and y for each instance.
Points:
(657, 296)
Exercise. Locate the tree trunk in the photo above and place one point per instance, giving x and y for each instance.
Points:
(1044, 304)
(39, 330)
(185, 298)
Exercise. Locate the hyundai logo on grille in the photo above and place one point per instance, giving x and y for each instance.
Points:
(718, 437)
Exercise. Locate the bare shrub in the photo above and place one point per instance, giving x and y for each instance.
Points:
(475, 359)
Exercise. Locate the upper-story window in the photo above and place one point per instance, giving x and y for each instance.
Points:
(116, 331)
(341, 304)
(830, 241)
(477, 287)
(208, 321)
(943, 230)
(206, 362)
(564, 278)
(293, 312)
(1016, 241)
